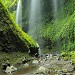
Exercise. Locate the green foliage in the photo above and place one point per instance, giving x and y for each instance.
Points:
(11, 6)
(61, 31)
(7, 3)
(13, 3)
(69, 7)
(10, 3)
(68, 55)
(13, 15)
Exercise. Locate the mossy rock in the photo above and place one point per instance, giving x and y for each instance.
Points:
(12, 38)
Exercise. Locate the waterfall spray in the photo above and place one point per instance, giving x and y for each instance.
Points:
(19, 13)
(55, 9)
(56, 6)
(35, 19)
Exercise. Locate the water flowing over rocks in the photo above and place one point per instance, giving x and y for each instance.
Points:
(50, 65)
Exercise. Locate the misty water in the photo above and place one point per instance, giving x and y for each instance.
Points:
(35, 21)
(19, 13)
(55, 9)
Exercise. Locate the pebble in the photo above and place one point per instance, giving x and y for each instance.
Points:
(35, 62)
(26, 64)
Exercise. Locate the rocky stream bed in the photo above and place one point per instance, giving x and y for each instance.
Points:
(46, 65)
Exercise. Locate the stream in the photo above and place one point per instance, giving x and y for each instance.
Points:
(49, 65)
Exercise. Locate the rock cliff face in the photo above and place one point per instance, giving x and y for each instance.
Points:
(12, 38)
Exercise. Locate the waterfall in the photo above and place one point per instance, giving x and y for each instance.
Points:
(55, 9)
(35, 23)
(35, 19)
(57, 6)
(19, 13)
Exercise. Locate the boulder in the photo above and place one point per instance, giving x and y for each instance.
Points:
(43, 70)
(10, 69)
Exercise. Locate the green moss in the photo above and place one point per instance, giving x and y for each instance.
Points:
(13, 57)
(15, 39)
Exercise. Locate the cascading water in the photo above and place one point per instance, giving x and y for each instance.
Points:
(57, 6)
(55, 9)
(35, 20)
(19, 13)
